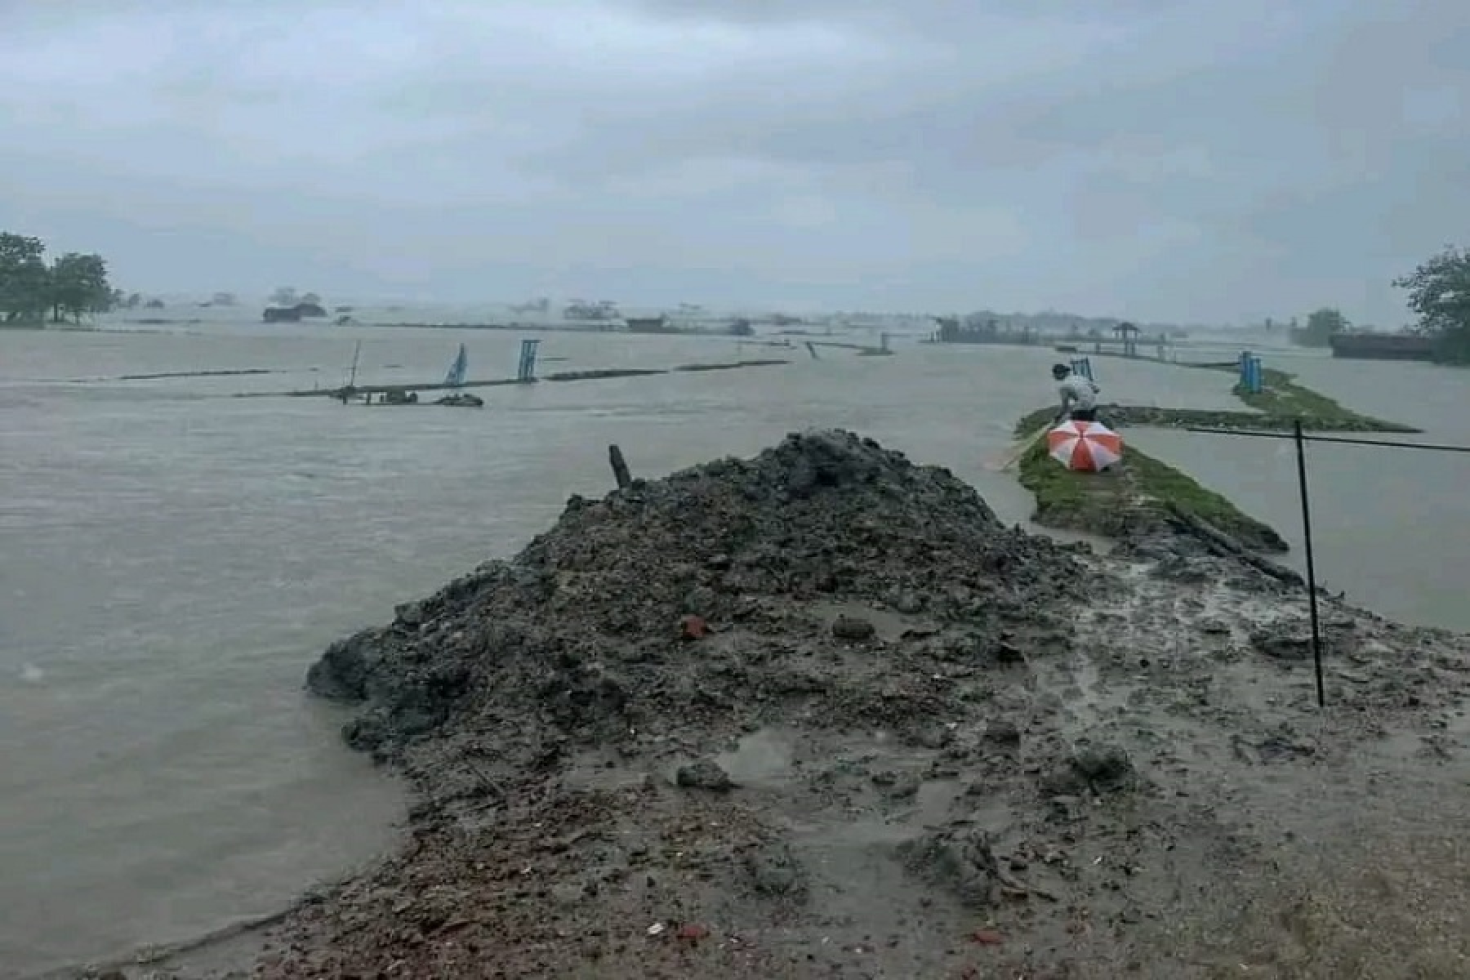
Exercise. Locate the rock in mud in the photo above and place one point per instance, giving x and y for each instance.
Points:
(896, 785)
(905, 601)
(933, 735)
(852, 629)
(1278, 645)
(1006, 652)
(1003, 733)
(409, 614)
(343, 672)
(1101, 768)
(960, 859)
(775, 871)
(704, 774)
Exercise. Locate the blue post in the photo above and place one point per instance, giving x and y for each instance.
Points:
(1083, 366)
(1252, 378)
(526, 370)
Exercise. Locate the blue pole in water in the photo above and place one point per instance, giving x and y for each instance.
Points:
(1254, 379)
(1083, 366)
(1245, 369)
(526, 370)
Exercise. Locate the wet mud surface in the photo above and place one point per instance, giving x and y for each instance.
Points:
(819, 714)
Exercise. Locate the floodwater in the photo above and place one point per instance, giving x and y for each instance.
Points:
(1390, 526)
(175, 557)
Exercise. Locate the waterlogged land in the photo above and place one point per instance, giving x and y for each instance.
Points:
(1144, 494)
(277, 484)
(859, 727)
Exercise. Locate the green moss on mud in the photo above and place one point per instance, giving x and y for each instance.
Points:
(1134, 498)
(1280, 395)
(1279, 405)
(1139, 495)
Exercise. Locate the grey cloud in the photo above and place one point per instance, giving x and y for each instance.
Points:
(1148, 158)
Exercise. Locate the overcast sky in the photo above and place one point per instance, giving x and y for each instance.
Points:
(1188, 160)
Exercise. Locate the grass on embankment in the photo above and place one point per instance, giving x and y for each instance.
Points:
(1133, 498)
(1143, 493)
(1280, 403)
(1282, 400)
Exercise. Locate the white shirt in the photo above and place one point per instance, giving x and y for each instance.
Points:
(1078, 393)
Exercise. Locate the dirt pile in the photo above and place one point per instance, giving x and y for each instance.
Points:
(819, 713)
(650, 608)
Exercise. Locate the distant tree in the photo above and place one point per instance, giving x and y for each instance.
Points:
(133, 301)
(312, 298)
(1439, 293)
(24, 278)
(79, 285)
(1322, 326)
(284, 296)
(223, 299)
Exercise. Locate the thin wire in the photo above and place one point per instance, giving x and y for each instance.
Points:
(1386, 443)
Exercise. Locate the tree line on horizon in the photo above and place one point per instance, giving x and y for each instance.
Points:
(69, 286)
(1439, 296)
(75, 284)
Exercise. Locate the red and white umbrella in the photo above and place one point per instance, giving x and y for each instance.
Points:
(1084, 446)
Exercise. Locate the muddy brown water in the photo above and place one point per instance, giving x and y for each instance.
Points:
(176, 557)
(1389, 525)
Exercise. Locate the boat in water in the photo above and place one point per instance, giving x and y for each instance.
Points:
(462, 399)
(405, 395)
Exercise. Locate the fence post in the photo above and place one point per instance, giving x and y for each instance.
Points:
(1301, 480)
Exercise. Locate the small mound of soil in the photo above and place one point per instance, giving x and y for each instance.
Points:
(581, 633)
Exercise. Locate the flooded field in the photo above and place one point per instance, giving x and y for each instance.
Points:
(177, 556)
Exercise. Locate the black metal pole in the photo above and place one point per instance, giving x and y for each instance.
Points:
(1301, 480)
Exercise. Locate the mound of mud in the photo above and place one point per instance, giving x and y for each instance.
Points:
(818, 713)
(646, 607)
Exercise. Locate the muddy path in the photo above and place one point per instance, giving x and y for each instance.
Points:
(1158, 797)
